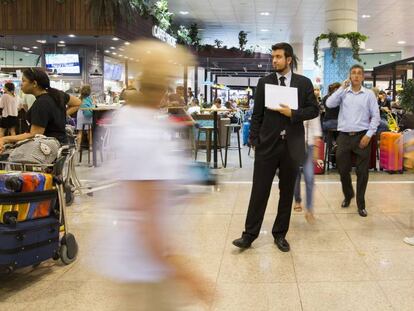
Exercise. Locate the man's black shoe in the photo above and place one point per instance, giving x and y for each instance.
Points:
(362, 212)
(243, 243)
(282, 244)
(346, 202)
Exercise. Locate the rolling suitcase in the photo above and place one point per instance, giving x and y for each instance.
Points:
(391, 152)
(34, 191)
(28, 243)
(408, 138)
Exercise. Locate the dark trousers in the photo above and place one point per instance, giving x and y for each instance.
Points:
(348, 145)
(263, 175)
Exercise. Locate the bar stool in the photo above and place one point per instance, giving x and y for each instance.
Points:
(86, 129)
(329, 144)
(236, 128)
(208, 130)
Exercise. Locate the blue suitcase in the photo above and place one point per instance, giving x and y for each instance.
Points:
(246, 132)
(28, 243)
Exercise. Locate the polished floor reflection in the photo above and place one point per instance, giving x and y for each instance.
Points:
(342, 262)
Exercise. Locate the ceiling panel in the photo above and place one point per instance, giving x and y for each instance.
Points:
(295, 21)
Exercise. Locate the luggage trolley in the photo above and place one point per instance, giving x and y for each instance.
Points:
(28, 234)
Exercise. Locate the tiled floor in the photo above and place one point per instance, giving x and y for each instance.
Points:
(342, 262)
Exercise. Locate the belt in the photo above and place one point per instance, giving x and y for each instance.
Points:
(354, 133)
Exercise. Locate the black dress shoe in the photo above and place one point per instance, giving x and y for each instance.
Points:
(346, 202)
(282, 244)
(243, 243)
(362, 212)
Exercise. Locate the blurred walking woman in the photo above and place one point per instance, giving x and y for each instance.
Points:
(9, 103)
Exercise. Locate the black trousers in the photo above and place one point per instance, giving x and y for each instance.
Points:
(347, 146)
(263, 175)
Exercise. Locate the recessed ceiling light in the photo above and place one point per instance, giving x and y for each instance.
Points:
(264, 30)
(184, 12)
(113, 53)
(25, 48)
(126, 57)
(265, 13)
(112, 48)
(35, 47)
(401, 42)
(121, 49)
(62, 42)
(72, 36)
(369, 50)
(41, 41)
(115, 39)
(365, 16)
(107, 51)
(127, 43)
(61, 45)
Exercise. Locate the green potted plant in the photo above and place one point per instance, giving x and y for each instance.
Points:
(406, 99)
(242, 40)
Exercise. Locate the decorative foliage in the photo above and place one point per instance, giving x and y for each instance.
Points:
(106, 12)
(354, 37)
(7, 1)
(183, 35)
(242, 40)
(161, 14)
(218, 43)
(195, 39)
(406, 96)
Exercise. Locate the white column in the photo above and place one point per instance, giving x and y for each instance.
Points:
(341, 16)
(298, 50)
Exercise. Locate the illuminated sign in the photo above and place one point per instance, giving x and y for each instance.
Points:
(162, 35)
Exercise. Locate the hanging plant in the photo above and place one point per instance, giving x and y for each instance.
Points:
(354, 38)
(406, 96)
(218, 43)
(242, 40)
(162, 16)
(193, 34)
(183, 35)
(106, 12)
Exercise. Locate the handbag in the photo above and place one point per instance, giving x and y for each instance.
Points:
(37, 150)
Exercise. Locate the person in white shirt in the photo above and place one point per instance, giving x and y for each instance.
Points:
(9, 102)
(194, 107)
(313, 134)
(134, 242)
(217, 105)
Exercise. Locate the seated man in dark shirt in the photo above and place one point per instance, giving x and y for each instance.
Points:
(47, 116)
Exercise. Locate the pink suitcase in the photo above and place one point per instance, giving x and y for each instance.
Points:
(391, 152)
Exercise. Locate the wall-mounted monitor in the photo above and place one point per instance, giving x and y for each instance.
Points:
(66, 64)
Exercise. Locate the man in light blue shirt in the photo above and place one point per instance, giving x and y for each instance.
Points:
(358, 120)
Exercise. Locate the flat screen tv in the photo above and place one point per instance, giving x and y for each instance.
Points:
(66, 64)
(113, 71)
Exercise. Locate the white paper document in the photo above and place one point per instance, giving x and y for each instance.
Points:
(276, 95)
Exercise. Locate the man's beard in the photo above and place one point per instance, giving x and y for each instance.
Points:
(282, 69)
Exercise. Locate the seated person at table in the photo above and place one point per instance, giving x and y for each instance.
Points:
(217, 105)
(194, 107)
(47, 116)
(84, 117)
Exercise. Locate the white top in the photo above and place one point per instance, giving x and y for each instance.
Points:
(194, 109)
(288, 77)
(144, 151)
(10, 105)
(313, 129)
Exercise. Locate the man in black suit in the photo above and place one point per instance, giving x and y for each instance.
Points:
(278, 138)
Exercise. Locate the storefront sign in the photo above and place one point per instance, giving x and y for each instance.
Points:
(162, 35)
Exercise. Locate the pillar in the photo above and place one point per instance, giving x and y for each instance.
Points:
(298, 50)
(341, 18)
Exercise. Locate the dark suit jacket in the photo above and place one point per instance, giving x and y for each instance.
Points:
(266, 124)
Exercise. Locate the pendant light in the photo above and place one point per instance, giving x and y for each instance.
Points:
(95, 62)
(55, 73)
